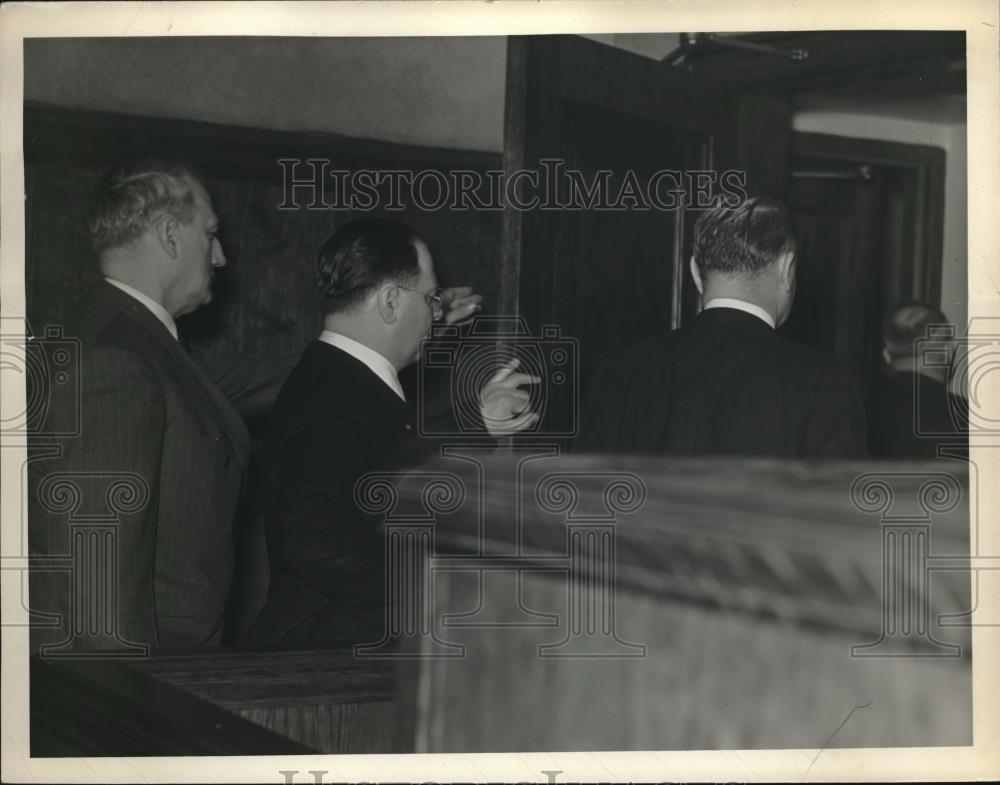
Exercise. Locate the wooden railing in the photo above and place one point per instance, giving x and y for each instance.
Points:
(328, 700)
(585, 603)
(84, 708)
(213, 703)
(580, 603)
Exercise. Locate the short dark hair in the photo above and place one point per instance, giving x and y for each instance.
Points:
(743, 239)
(130, 195)
(906, 323)
(362, 255)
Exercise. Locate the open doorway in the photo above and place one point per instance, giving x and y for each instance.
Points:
(869, 217)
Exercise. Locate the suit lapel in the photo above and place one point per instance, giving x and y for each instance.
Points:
(225, 417)
(232, 424)
(343, 371)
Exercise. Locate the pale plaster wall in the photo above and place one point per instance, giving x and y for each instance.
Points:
(440, 92)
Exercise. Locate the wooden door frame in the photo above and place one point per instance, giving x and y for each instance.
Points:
(743, 130)
(705, 108)
(928, 225)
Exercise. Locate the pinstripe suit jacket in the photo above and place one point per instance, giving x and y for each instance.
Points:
(148, 413)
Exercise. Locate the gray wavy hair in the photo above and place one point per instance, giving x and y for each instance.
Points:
(129, 196)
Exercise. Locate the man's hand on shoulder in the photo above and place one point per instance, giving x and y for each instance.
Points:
(504, 405)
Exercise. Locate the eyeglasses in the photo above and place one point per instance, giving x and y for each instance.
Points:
(434, 299)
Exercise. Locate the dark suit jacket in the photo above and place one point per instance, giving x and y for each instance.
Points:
(334, 421)
(912, 416)
(144, 408)
(727, 384)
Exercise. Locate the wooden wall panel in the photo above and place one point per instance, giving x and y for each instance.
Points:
(765, 141)
(264, 303)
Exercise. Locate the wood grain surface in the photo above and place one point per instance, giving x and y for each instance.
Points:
(326, 700)
(739, 612)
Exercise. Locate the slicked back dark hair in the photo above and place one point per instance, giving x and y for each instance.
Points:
(744, 239)
(361, 256)
(130, 195)
(907, 322)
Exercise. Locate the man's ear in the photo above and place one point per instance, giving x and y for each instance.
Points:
(886, 356)
(696, 274)
(786, 271)
(166, 228)
(387, 300)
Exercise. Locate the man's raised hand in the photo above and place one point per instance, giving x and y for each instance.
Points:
(460, 302)
(504, 405)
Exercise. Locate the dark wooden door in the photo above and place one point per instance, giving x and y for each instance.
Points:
(840, 278)
(869, 217)
(607, 271)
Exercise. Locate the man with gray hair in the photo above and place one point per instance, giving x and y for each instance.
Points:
(727, 383)
(151, 424)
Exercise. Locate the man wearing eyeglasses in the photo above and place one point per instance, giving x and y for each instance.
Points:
(341, 413)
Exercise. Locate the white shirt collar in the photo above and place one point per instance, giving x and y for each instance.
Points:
(154, 307)
(378, 364)
(741, 305)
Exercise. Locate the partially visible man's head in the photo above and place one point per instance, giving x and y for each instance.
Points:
(361, 256)
(742, 240)
(379, 273)
(153, 219)
(129, 196)
(749, 247)
(904, 325)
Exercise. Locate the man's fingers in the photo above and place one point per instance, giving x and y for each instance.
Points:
(497, 394)
(523, 421)
(453, 293)
(506, 371)
(458, 313)
(509, 427)
(460, 302)
(517, 379)
(511, 381)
